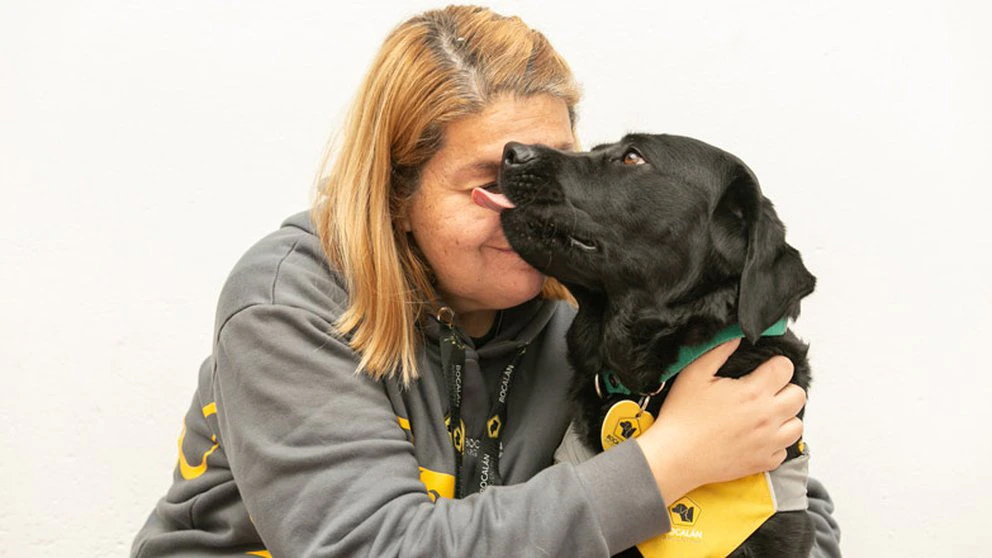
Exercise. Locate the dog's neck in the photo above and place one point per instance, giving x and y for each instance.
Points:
(641, 335)
(687, 354)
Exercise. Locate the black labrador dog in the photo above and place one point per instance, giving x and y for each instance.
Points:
(665, 242)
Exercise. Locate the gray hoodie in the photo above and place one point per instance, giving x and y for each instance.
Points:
(288, 450)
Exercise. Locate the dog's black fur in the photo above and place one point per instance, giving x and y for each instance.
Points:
(664, 241)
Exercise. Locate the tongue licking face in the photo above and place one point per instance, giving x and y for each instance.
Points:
(490, 200)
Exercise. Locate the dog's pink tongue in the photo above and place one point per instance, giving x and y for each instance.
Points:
(489, 200)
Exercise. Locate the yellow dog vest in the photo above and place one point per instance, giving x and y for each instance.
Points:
(715, 519)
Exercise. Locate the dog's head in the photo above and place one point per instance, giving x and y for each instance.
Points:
(667, 227)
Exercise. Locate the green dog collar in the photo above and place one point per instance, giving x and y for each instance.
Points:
(690, 353)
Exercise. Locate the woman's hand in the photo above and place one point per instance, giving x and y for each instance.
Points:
(712, 429)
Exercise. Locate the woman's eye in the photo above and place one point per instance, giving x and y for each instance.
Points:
(632, 157)
(492, 187)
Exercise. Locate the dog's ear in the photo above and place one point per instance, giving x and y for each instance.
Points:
(774, 278)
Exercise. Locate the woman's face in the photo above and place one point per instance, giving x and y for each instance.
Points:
(476, 270)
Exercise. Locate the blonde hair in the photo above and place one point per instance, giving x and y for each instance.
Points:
(434, 68)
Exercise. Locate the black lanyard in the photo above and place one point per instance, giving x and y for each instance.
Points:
(452, 363)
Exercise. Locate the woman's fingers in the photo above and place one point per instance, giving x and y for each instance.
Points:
(771, 375)
(713, 429)
(776, 459)
(710, 362)
(791, 399)
(790, 432)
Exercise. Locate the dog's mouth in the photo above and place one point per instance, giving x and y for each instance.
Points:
(584, 245)
(564, 238)
(546, 228)
(545, 238)
(540, 232)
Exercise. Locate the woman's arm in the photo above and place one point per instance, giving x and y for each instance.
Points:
(827, 543)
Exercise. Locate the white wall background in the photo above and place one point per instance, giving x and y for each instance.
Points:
(144, 146)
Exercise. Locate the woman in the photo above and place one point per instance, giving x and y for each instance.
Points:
(324, 421)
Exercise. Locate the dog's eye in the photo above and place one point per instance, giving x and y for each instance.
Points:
(632, 157)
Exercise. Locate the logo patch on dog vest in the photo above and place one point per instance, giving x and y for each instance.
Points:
(714, 519)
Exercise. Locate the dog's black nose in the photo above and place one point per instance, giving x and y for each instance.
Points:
(518, 154)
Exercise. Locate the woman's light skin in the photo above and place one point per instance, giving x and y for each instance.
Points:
(477, 271)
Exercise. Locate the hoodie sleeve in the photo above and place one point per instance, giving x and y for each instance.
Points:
(827, 543)
(325, 470)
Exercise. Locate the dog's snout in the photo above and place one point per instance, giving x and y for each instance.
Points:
(527, 174)
(518, 154)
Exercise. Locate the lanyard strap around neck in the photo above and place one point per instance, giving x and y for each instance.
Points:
(453, 363)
